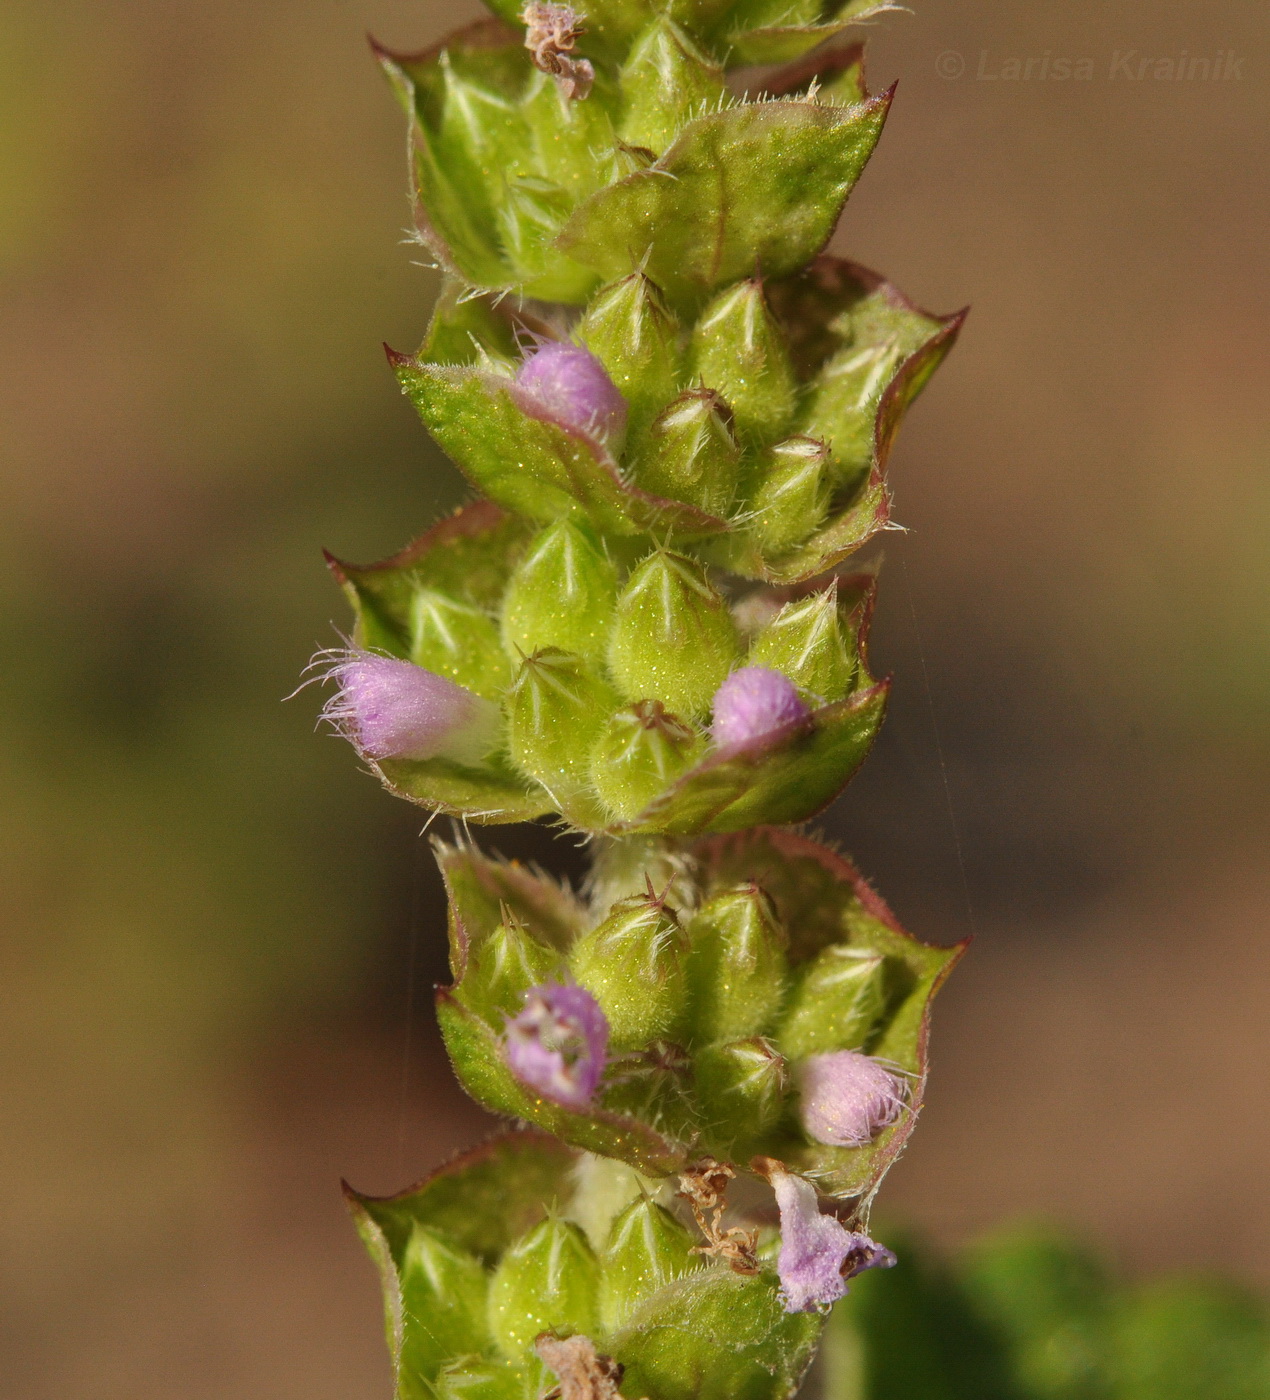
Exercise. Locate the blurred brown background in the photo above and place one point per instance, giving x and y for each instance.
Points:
(219, 937)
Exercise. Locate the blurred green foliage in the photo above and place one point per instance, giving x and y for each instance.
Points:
(1028, 1314)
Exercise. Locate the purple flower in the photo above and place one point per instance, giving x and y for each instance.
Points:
(557, 1044)
(848, 1098)
(572, 386)
(818, 1254)
(752, 702)
(394, 709)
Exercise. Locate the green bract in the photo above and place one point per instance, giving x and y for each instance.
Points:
(768, 948)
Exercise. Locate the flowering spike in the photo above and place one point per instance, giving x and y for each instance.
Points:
(754, 702)
(645, 362)
(818, 1254)
(848, 1098)
(557, 1043)
(394, 709)
(571, 385)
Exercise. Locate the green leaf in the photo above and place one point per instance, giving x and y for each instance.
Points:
(557, 708)
(471, 1378)
(465, 327)
(812, 641)
(716, 1335)
(500, 159)
(1191, 1339)
(864, 350)
(851, 525)
(863, 353)
(775, 41)
(510, 449)
(737, 970)
(840, 997)
(738, 349)
(854, 1172)
(465, 562)
(472, 1206)
(501, 970)
(837, 71)
(787, 776)
(1050, 1302)
(458, 641)
(689, 453)
(755, 187)
(481, 890)
(492, 795)
(788, 502)
(479, 1202)
(743, 1084)
(912, 1331)
(641, 752)
(467, 558)
(634, 335)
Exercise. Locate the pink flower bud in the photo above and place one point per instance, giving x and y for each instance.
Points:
(558, 1044)
(848, 1098)
(572, 386)
(752, 702)
(818, 1254)
(393, 709)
